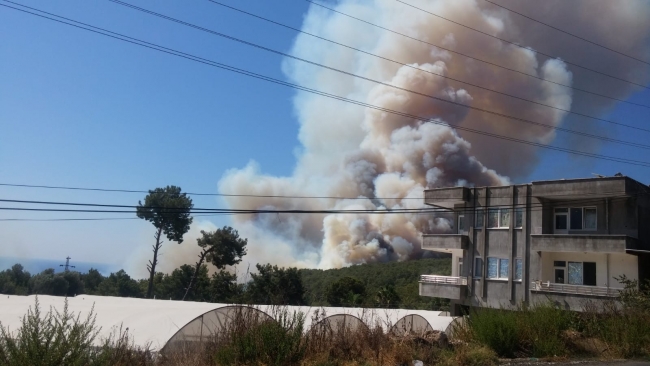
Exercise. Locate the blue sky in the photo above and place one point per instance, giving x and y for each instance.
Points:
(80, 109)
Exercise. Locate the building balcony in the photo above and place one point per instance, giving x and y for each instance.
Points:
(446, 197)
(446, 287)
(582, 243)
(445, 242)
(561, 288)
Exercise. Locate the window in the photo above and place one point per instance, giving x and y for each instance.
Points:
(575, 218)
(582, 273)
(498, 218)
(462, 224)
(503, 268)
(478, 267)
(504, 220)
(493, 217)
(497, 267)
(518, 269)
(590, 218)
(519, 217)
(479, 218)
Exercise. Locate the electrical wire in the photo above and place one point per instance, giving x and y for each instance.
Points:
(571, 34)
(554, 195)
(318, 92)
(524, 47)
(258, 46)
(423, 70)
(475, 58)
(381, 210)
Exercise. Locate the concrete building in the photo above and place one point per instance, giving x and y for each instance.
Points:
(565, 240)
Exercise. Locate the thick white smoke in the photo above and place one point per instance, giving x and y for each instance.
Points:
(350, 151)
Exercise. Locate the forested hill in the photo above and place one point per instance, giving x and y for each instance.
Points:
(370, 285)
(401, 276)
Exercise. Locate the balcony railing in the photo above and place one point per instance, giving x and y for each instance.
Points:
(444, 280)
(575, 289)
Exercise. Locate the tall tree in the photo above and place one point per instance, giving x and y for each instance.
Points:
(276, 286)
(222, 247)
(346, 291)
(169, 211)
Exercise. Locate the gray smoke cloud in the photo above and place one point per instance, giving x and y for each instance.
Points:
(387, 160)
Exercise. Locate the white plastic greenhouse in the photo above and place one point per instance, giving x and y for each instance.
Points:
(162, 323)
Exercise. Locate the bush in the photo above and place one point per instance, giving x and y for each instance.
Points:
(251, 340)
(60, 338)
(496, 329)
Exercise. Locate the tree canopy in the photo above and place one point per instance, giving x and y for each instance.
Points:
(168, 209)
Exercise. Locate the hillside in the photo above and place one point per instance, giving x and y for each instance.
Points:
(402, 275)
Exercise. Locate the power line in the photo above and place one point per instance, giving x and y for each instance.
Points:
(571, 34)
(421, 69)
(318, 92)
(475, 58)
(205, 211)
(268, 196)
(523, 47)
(223, 35)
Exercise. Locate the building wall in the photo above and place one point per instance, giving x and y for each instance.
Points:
(623, 216)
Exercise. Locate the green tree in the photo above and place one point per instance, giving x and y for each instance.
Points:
(221, 248)
(276, 286)
(49, 283)
(15, 281)
(224, 288)
(92, 280)
(387, 297)
(120, 284)
(169, 211)
(346, 291)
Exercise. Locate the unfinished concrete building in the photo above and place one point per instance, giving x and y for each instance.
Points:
(566, 241)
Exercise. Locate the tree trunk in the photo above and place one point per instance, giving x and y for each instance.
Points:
(152, 264)
(196, 272)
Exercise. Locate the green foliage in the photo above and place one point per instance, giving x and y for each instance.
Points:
(275, 286)
(119, 284)
(496, 329)
(402, 276)
(223, 247)
(278, 342)
(167, 209)
(51, 339)
(387, 297)
(224, 288)
(346, 291)
(15, 281)
(91, 281)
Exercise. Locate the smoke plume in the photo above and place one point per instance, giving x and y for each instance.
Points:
(385, 161)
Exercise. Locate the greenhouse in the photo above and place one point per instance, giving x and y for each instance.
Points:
(159, 324)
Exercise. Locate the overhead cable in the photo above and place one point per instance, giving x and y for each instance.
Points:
(571, 34)
(421, 69)
(170, 51)
(523, 47)
(223, 35)
(475, 58)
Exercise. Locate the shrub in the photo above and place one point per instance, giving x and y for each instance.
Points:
(496, 329)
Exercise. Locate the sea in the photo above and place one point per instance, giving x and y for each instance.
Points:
(35, 265)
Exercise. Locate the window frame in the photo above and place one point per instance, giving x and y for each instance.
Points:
(519, 211)
(498, 277)
(478, 262)
(480, 213)
(519, 261)
(568, 214)
(499, 213)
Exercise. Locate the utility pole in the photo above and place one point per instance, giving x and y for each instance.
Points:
(67, 265)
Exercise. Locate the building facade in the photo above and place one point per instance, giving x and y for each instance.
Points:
(566, 241)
